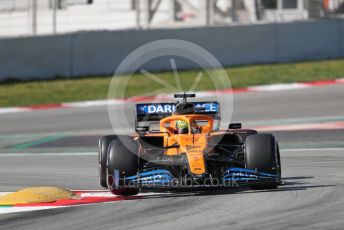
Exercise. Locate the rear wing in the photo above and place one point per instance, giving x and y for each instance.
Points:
(158, 111)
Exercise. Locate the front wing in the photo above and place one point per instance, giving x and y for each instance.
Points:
(162, 178)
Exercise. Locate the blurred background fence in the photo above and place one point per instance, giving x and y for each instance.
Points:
(37, 17)
(96, 53)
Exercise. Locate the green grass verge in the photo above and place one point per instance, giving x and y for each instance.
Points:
(93, 88)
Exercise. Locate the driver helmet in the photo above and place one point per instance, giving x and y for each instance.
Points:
(182, 124)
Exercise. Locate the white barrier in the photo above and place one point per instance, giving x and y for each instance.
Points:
(99, 53)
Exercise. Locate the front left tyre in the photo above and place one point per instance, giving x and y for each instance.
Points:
(262, 154)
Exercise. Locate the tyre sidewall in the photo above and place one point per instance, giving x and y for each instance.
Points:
(103, 147)
(262, 154)
(126, 162)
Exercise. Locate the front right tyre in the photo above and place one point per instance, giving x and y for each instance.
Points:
(103, 147)
(122, 161)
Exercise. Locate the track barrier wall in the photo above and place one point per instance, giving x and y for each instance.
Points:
(100, 52)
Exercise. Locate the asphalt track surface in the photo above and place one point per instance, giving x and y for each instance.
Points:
(310, 198)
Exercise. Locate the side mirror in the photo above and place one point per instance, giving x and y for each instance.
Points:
(142, 128)
(234, 126)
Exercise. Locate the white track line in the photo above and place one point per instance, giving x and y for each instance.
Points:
(50, 154)
(26, 209)
(312, 149)
(277, 87)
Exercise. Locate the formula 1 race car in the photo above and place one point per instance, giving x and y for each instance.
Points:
(179, 146)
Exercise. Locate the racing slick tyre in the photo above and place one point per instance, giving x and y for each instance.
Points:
(262, 154)
(103, 147)
(121, 159)
(248, 133)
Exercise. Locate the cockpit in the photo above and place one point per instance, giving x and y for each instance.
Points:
(187, 124)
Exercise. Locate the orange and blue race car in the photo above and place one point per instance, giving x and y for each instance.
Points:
(180, 146)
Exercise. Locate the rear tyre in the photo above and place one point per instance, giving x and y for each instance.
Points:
(262, 154)
(123, 160)
(103, 147)
(248, 133)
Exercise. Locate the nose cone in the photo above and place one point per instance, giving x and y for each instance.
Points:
(196, 160)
